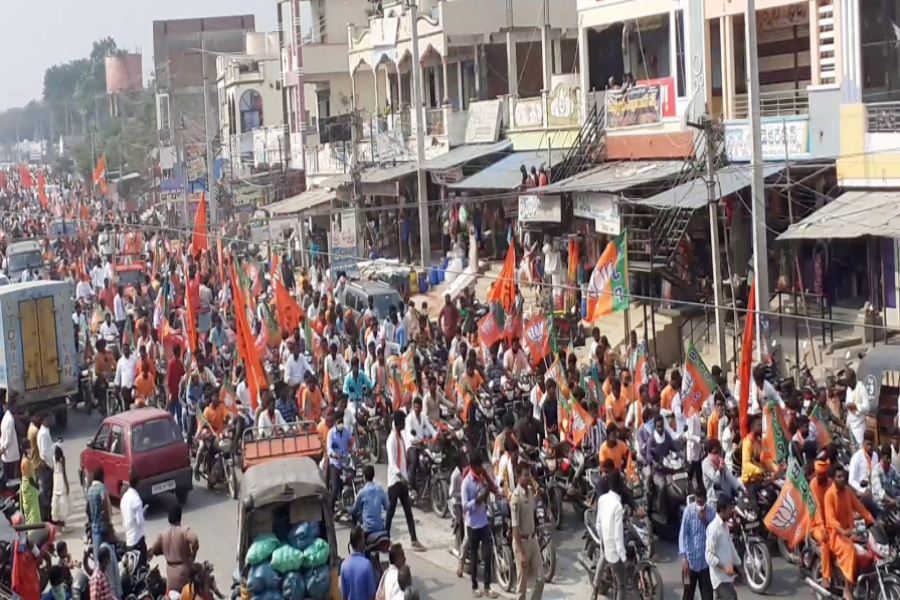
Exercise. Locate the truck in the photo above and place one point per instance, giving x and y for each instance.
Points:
(39, 362)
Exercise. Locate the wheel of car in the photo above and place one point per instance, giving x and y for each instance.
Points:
(181, 495)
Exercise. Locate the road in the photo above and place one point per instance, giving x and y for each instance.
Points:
(213, 516)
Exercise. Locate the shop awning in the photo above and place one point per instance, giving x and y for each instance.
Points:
(505, 174)
(463, 154)
(388, 174)
(616, 176)
(302, 202)
(851, 215)
(694, 194)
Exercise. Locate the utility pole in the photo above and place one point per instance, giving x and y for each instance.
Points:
(713, 205)
(184, 194)
(757, 181)
(424, 232)
(210, 165)
(546, 45)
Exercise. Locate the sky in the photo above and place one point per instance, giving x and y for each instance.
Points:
(37, 34)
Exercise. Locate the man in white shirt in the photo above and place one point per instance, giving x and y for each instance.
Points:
(296, 368)
(694, 446)
(416, 429)
(108, 270)
(861, 464)
(9, 439)
(125, 374)
(336, 366)
(83, 291)
(761, 392)
(108, 330)
(132, 508)
(537, 398)
(97, 276)
(611, 530)
(397, 479)
(44, 466)
(389, 586)
(269, 420)
(721, 555)
(858, 405)
(515, 363)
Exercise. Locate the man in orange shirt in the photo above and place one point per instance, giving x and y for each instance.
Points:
(214, 418)
(818, 485)
(145, 382)
(712, 423)
(613, 448)
(669, 392)
(841, 505)
(616, 404)
(312, 402)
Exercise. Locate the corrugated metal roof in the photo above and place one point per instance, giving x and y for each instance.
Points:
(694, 194)
(387, 174)
(463, 154)
(851, 215)
(616, 176)
(308, 199)
(505, 174)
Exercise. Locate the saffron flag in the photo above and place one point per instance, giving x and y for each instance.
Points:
(488, 334)
(775, 439)
(407, 371)
(256, 379)
(199, 241)
(746, 365)
(537, 338)
(795, 508)
(696, 384)
(823, 436)
(556, 373)
(2, 180)
(512, 326)
(227, 395)
(99, 176)
(289, 312)
(582, 421)
(220, 256)
(25, 177)
(641, 368)
(504, 289)
(190, 323)
(42, 189)
(608, 287)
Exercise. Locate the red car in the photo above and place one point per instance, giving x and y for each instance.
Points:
(147, 440)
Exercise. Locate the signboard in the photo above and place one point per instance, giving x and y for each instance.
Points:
(528, 113)
(563, 107)
(666, 93)
(635, 107)
(447, 177)
(343, 244)
(483, 122)
(739, 145)
(601, 208)
(546, 209)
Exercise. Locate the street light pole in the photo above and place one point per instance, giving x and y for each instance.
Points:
(424, 232)
(210, 167)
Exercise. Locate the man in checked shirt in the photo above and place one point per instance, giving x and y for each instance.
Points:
(692, 546)
(100, 587)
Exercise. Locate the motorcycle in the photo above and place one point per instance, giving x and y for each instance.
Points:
(223, 464)
(504, 559)
(545, 540)
(678, 486)
(437, 459)
(353, 479)
(875, 579)
(746, 528)
(641, 570)
(374, 427)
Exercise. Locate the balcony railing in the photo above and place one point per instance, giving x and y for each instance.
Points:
(774, 104)
(883, 117)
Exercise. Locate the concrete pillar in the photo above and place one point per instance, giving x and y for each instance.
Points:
(512, 64)
(478, 70)
(557, 56)
(460, 91)
(445, 80)
(546, 50)
(727, 34)
(815, 65)
(673, 49)
(377, 102)
(387, 85)
(706, 73)
(584, 63)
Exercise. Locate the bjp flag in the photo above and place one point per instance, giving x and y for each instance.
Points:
(696, 384)
(775, 439)
(823, 436)
(608, 287)
(504, 289)
(537, 338)
(488, 333)
(641, 367)
(582, 422)
(795, 508)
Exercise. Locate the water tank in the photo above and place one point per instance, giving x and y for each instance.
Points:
(124, 73)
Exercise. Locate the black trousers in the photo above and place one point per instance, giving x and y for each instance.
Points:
(412, 456)
(127, 397)
(141, 547)
(337, 484)
(400, 492)
(699, 579)
(481, 537)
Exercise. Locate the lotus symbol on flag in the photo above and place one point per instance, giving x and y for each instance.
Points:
(785, 517)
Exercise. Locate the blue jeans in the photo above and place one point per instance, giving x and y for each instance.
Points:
(175, 411)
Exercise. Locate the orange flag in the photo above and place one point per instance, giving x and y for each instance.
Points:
(100, 174)
(504, 289)
(221, 257)
(246, 345)
(582, 422)
(42, 189)
(190, 325)
(795, 508)
(746, 365)
(288, 311)
(25, 177)
(2, 181)
(199, 242)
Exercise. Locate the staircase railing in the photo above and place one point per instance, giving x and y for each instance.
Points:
(587, 149)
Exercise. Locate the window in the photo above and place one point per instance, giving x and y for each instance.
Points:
(154, 434)
(251, 109)
(681, 76)
(117, 441)
(880, 56)
(102, 438)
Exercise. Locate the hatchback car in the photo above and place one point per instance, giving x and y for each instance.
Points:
(146, 440)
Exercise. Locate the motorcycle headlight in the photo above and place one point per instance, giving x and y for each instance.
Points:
(551, 464)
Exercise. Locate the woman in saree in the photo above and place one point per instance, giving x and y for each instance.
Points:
(28, 491)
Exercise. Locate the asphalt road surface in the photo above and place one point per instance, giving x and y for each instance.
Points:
(213, 516)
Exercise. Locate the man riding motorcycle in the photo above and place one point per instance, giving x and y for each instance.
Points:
(215, 418)
(841, 506)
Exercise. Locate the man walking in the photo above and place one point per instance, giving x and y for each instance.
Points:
(398, 479)
(9, 439)
(611, 528)
(720, 553)
(476, 487)
(692, 546)
(525, 544)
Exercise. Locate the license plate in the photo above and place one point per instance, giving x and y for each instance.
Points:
(751, 525)
(679, 476)
(165, 486)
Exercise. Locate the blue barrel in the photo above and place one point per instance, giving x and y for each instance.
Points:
(423, 281)
(434, 276)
